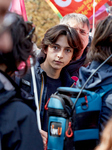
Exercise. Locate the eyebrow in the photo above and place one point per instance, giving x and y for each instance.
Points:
(65, 47)
(81, 29)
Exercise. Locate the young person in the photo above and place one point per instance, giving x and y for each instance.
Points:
(18, 124)
(81, 23)
(60, 44)
(100, 50)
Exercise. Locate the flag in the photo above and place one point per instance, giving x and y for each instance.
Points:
(75, 6)
(18, 7)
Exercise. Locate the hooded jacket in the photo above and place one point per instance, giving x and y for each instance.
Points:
(102, 77)
(18, 125)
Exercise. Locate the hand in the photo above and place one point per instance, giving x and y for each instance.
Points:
(44, 137)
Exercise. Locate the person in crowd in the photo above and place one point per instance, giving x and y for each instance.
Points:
(5, 37)
(100, 50)
(60, 45)
(4, 5)
(106, 138)
(81, 23)
(18, 124)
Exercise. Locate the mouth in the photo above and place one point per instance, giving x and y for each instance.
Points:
(58, 62)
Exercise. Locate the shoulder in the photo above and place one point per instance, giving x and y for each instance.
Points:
(19, 108)
(17, 115)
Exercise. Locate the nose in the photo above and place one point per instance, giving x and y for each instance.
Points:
(60, 53)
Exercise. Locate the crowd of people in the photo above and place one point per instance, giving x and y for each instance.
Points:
(67, 58)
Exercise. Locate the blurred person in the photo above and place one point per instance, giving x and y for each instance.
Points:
(100, 50)
(81, 23)
(18, 124)
(4, 5)
(5, 37)
(106, 138)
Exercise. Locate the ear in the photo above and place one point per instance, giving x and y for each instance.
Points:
(45, 51)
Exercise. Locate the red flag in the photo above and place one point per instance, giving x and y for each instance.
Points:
(78, 6)
(18, 6)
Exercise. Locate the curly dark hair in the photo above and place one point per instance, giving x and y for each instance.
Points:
(21, 33)
(101, 46)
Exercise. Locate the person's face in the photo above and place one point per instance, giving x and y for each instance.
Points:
(4, 5)
(59, 54)
(82, 30)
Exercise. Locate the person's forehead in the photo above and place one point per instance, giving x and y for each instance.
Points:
(76, 24)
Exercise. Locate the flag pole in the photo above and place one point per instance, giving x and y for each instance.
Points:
(35, 94)
(93, 29)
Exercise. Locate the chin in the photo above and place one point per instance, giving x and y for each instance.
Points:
(57, 68)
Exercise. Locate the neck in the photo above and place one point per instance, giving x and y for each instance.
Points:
(51, 72)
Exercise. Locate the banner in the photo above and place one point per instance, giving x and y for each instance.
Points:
(76, 6)
(18, 7)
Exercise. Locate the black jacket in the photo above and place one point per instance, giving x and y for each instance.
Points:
(18, 126)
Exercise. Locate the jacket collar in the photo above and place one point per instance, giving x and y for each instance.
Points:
(65, 77)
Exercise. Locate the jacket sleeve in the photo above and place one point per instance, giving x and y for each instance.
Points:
(19, 128)
(30, 135)
(106, 111)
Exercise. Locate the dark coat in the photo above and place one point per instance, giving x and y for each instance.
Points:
(18, 126)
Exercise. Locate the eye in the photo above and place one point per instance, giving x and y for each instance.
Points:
(82, 31)
(55, 47)
(68, 50)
